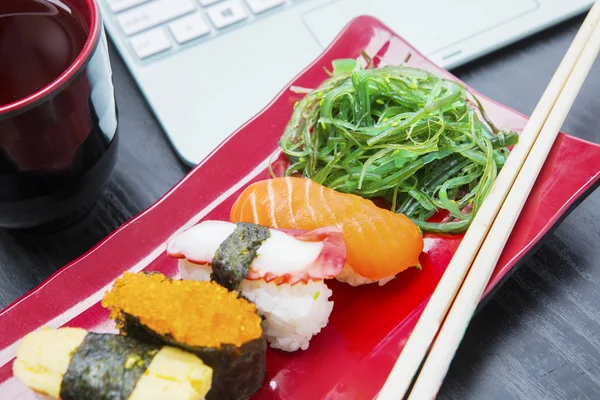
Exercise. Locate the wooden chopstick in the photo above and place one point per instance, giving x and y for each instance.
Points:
(428, 325)
(451, 333)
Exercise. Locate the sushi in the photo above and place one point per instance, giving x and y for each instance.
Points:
(282, 272)
(380, 244)
(71, 363)
(203, 318)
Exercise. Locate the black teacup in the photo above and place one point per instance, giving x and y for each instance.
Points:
(58, 119)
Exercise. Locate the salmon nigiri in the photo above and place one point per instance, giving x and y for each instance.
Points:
(379, 242)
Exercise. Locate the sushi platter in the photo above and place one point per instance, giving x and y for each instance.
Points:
(296, 259)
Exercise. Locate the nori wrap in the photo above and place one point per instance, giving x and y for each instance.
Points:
(106, 367)
(232, 259)
(204, 318)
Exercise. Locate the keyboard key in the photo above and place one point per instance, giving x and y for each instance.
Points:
(258, 6)
(150, 43)
(226, 13)
(152, 14)
(208, 2)
(188, 28)
(121, 5)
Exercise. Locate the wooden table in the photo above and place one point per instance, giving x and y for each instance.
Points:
(537, 338)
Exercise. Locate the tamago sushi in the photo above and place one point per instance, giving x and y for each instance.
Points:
(71, 363)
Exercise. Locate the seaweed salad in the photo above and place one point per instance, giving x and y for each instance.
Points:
(420, 142)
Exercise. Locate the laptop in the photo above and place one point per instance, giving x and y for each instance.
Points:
(207, 66)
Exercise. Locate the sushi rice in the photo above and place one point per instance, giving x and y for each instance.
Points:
(353, 278)
(293, 314)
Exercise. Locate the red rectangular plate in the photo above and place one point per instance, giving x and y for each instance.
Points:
(352, 356)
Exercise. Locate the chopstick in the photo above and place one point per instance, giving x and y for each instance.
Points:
(550, 112)
(450, 335)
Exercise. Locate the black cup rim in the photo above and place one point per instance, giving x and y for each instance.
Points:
(72, 72)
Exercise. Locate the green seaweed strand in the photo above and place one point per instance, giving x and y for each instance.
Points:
(421, 142)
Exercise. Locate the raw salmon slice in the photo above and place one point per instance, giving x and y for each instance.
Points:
(379, 243)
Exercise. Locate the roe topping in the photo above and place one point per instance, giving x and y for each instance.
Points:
(192, 312)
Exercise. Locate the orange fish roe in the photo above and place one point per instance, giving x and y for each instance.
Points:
(194, 313)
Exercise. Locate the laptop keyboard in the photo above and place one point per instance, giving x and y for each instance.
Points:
(159, 26)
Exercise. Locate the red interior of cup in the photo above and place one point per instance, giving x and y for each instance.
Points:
(88, 10)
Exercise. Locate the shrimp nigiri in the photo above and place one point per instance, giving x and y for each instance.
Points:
(379, 243)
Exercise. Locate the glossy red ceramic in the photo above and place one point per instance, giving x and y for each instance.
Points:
(352, 356)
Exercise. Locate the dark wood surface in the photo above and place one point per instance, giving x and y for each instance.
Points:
(537, 338)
